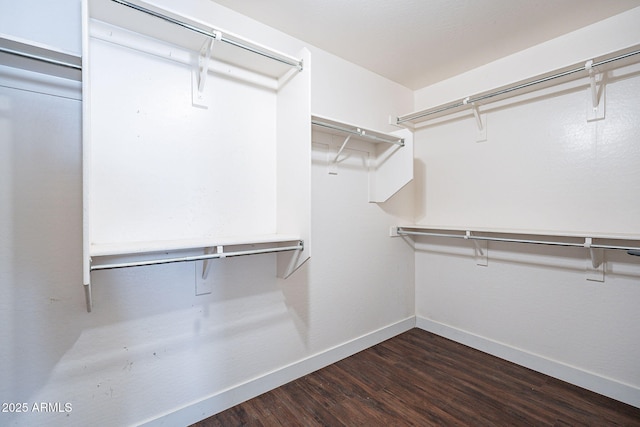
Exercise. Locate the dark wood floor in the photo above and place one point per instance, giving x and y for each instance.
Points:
(418, 378)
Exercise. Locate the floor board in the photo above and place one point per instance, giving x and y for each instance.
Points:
(422, 379)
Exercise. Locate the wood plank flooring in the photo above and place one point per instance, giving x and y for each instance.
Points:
(421, 379)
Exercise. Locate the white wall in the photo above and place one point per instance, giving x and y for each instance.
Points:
(151, 347)
(542, 167)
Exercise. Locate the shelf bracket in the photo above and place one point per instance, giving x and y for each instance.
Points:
(595, 261)
(480, 249)
(200, 76)
(481, 135)
(333, 163)
(595, 95)
(206, 264)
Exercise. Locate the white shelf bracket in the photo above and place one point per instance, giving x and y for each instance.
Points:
(480, 249)
(595, 95)
(595, 262)
(333, 163)
(200, 76)
(206, 264)
(481, 136)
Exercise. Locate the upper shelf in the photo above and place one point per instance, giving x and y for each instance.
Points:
(566, 74)
(191, 34)
(338, 128)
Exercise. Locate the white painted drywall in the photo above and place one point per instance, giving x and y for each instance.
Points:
(150, 346)
(543, 167)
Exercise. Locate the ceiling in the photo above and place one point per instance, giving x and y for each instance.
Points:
(420, 42)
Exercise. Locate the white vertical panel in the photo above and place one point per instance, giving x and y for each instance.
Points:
(294, 164)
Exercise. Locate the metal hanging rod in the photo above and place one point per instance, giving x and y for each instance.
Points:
(40, 58)
(470, 100)
(358, 132)
(271, 55)
(299, 246)
(469, 236)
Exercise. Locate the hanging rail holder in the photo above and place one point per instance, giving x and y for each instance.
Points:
(595, 95)
(481, 136)
(334, 156)
(480, 249)
(199, 76)
(595, 261)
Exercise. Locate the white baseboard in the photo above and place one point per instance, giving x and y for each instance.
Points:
(601, 385)
(250, 389)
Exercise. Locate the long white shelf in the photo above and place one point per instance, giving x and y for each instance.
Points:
(566, 74)
(526, 232)
(595, 243)
(131, 248)
(190, 34)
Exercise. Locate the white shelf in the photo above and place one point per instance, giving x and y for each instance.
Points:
(555, 77)
(111, 249)
(190, 35)
(526, 232)
(390, 157)
(335, 127)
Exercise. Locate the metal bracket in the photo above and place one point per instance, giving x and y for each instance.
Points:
(333, 162)
(206, 264)
(480, 249)
(595, 262)
(595, 96)
(202, 268)
(200, 75)
(481, 136)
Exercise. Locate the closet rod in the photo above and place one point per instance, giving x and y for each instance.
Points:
(470, 100)
(270, 55)
(299, 246)
(40, 58)
(501, 239)
(358, 132)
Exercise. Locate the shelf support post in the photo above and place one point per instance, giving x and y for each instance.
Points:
(480, 249)
(200, 76)
(595, 261)
(333, 163)
(206, 264)
(595, 96)
(481, 136)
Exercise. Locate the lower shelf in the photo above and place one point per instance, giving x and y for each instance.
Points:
(138, 254)
(109, 249)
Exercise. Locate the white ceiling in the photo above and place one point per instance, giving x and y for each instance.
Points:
(419, 42)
